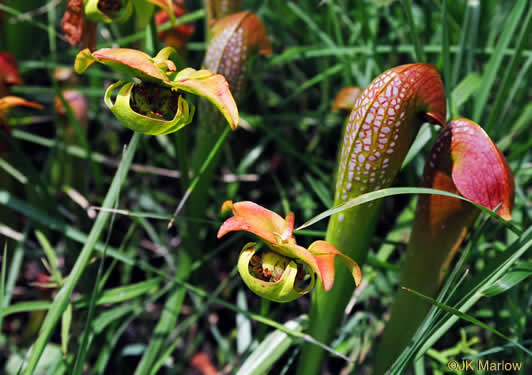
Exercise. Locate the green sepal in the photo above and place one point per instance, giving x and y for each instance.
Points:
(93, 13)
(282, 290)
(84, 59)
(122, 110)
(143, 13)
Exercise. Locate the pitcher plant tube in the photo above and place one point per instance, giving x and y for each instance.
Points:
(218, 9)
(236, 40)
(286, 270)
(462, 161)
(380, 129)
(156, 105)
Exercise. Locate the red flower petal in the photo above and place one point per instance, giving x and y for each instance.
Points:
(324, 254)
(255, 219)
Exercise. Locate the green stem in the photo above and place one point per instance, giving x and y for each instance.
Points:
(212, 135)
(352, 235)
(62, 299)
(422, 271)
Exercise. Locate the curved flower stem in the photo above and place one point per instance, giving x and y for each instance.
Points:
(62, 299)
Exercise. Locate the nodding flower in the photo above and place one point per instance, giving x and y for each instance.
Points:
(108, 11)
(285, 271)
(156, 105)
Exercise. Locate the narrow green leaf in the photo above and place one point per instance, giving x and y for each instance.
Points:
(123, 293)
(492, 73)
(50, 255)
(244, 335)
(105, 318)
(62, 298)
(509, 74)
(374, 195)
(66, 322)
(407, 7)
(506, 282)
(467, 318)
(463, 92)
(271, 349)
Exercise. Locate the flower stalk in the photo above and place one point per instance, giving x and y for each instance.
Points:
(463, 161)
(378, 134)
(236, 39)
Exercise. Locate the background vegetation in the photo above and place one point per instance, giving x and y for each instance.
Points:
(284, 158)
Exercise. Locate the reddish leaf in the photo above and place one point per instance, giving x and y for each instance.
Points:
(72, 22)
(9, 74)
(129, 61)
(324, 253)
(8, 102)
(346, 98)
(212, 87)
(203, 363)
(278, 236)
(177, 36)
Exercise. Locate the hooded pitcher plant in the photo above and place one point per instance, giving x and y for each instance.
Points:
(279, 273)
(235, 40)
(466, 162)
(156, 105)
(218, 9)
(377, 136)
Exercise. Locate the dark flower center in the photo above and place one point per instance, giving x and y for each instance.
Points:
(154, 101)
(110, 6)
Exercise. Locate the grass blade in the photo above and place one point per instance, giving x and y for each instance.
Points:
(63, 297)
(270, 349)
(492, 71)
(468, 318)
(374, 195)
